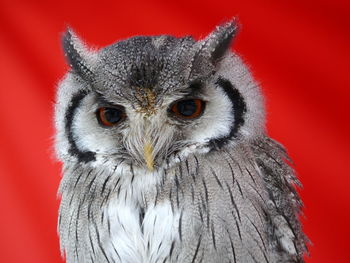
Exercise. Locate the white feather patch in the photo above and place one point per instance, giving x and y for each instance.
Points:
(149, 243)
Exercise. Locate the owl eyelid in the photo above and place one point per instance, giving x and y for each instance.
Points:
(102, 102)
(189, 97)
(113, 106)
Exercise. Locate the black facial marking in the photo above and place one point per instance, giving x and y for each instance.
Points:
(81, 155)
(239, 108)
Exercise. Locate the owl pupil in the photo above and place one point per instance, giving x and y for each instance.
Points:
(187, 107)
(112, 115)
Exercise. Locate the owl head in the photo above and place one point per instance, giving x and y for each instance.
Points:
(148, 101)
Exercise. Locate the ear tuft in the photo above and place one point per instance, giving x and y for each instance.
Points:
(219, 41)
(77, 55)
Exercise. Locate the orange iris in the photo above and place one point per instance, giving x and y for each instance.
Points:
(110, 116)
(188, 108)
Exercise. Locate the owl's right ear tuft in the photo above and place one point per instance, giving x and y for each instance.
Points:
(78, 56)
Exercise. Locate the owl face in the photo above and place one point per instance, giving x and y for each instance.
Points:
(150, 101)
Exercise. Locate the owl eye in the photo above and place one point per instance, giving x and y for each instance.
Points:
(187, 108)
(108, 116)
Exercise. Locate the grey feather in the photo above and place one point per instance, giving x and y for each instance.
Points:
(220, 191)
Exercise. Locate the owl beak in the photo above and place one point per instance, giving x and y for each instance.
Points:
(148, 155)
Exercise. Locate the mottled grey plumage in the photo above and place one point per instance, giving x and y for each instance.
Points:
(217, 189)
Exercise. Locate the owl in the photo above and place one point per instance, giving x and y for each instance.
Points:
(166, 157)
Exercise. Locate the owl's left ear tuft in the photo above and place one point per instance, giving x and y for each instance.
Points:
(219, 41)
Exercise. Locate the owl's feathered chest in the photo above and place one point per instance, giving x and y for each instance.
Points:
(197, 211)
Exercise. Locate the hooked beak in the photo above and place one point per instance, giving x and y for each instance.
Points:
(148, 155)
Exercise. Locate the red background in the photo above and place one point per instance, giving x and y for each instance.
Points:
(298, 50)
